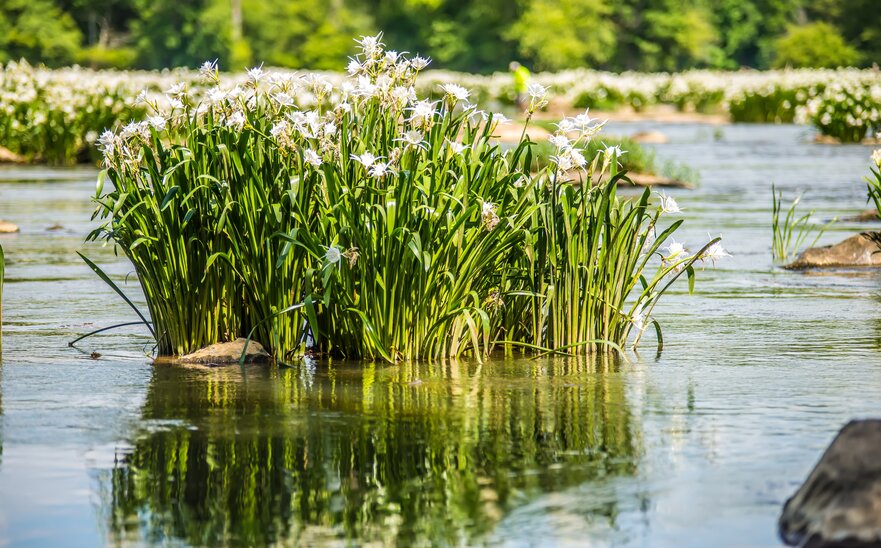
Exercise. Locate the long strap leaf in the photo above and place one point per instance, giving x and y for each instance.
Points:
(101, 274)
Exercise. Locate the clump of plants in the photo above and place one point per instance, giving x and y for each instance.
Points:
(790, 230)
(847, 111)
(375, 224)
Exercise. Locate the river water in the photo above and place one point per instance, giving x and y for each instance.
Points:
(696, 446)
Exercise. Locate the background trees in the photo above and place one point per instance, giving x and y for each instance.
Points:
(475, 36)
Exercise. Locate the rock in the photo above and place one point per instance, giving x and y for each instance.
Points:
(649, 138)
(9, 157)
(864, 249)
(647, 179)
(7, 227)
(227, 353)
(510, 133)
(867, 216)
(840, 502)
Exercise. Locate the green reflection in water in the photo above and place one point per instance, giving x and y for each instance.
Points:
(406, 453)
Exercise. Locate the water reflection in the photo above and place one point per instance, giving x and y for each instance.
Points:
(415, 453)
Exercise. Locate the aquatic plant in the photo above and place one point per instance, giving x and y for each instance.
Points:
(55, 116)
(874, 182)
(846, 110)
(197, 479)
(377, 224)
(791, 231)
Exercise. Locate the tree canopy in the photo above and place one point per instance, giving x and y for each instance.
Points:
(467, 35)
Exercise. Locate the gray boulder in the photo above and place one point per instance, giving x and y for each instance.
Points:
(840, 502)
(864, 249)
(227, 353)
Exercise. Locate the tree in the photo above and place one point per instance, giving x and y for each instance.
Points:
(814, 45)
(37, 30)
(663, 34)
(314, 34)
(561, 34)
(171, 33)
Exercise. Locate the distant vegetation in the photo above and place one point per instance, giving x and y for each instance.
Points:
(644, 35)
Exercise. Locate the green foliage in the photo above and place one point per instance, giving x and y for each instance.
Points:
(814, 45)
(37, 30)
(171, 33)
(646, 35)
(311, 33)
(874, 182)
(789, 233)
(847, 111)
(100, 57)
(277, 480)
(400, 225)
(560, 34)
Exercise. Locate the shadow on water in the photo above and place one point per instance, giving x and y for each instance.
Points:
(414, 453)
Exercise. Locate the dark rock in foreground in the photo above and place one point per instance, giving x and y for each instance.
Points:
(840, 502)
(227, 353)
(864, 249)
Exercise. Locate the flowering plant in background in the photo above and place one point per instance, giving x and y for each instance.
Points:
(375, 222)
(846, 110)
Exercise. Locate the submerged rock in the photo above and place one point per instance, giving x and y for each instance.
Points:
(227, 353)
(864, 249)
(7, 227)
(867, 216)
(840, 502)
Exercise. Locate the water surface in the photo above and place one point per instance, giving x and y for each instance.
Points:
(696, 446)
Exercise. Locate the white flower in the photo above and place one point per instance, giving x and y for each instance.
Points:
(256, 74)
(456, 147)
(236, 120)
(412, 138)
(638, 318)
(175, 103)
(365, 159)
(371, 45)
(209, 70)
(714, 253)
(419, 63)
(614, 150)
(312, 158)
(499, 118)
(668, 204)
(489, 215)
(354, 67)
(333, 255)
(536, 91)
(674, 250)
(577, 157)
(559, 141)
(456, 91)
(107, 142)
(379, 170)
(177, 90)
(876, 157)
(158, 122)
